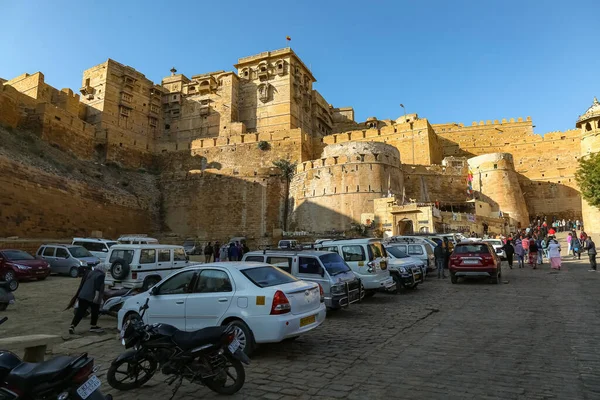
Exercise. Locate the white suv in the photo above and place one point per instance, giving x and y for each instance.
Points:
(98, 247)
(142, 265)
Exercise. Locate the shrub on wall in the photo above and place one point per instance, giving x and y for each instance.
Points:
(588, 178)
(263, 145)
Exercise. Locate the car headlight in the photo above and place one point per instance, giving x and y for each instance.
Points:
(402, 270)
(22, 267)
(338, 289)
(83, 263)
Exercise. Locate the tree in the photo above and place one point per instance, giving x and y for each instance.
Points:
(588, 178)
(287, 169)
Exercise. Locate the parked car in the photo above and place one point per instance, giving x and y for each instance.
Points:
(66, 259)
(475, 259)
(421, 250)
(20, 265)
(97, 247)
(136, 239)
(142, 265)
(367, 258)
(340, 286)
(191, 246)
(497, 245)
(287, 244)
(407, 271)
(265, 304)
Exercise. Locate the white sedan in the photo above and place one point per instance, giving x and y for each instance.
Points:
(264, 303)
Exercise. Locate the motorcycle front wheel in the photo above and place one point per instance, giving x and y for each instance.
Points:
(131, 373)
(230, 380)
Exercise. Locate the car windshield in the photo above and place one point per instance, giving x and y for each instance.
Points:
(268, 276)
(79, 252)
(111, 244)
(494, 242)
(377, 250)
(334, 264)
(396, 252)
(14, 255)
(471, 248)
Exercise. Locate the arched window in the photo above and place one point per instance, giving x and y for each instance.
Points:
(588, 127)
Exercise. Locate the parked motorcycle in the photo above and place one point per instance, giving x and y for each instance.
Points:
(209, 356)
(6, 297)
(64, 378)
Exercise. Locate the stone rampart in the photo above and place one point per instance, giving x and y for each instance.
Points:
(430, 183)
(496, 182)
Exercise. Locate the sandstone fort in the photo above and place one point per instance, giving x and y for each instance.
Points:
(194, 157)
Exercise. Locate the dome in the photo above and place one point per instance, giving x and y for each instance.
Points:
(593, 111)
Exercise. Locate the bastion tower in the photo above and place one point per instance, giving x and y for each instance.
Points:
(497, 182)
(335, 190)
(589, 123)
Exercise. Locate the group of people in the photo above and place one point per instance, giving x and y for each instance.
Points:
(576, 245)
(533, 248)
(559, 225)
(233, 251)
(442, 252)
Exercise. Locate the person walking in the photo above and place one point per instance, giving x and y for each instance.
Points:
(245, 248)
(554, 254)
(541, 245)
(446, 252)
(509, 250)
(520, 252)
(217, 251)
(590, 246)
(232, 252)
(208, 252)
(89, 295)
(223, 253)
(525, 244)
(533, 253)
(576, 245)
(438, 253)
(569, 239)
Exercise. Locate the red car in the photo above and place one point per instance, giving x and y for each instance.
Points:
(20, 265)
(475, 259)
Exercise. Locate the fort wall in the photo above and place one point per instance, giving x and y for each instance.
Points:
(332, 192)
(434, 183)
(496, 182)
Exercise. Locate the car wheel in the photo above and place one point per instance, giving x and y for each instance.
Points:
(396, 278)
(149, 282)
(119, 269)
(453, 278)
(244, 336)
(74, 272)
(11, 279)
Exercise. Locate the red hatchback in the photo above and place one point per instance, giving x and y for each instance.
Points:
(20, 265)
(475, 259)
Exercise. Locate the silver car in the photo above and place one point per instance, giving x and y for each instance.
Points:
(67, 259)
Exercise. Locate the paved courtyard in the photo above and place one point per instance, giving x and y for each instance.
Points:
(534, 337)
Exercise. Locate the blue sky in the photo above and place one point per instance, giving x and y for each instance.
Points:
(448, 61)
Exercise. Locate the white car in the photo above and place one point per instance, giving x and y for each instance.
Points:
(497, 245)
(264, 303)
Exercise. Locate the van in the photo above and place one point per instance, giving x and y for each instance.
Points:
(134, 266)
(340, 285)
(420, 250)
(98, 247)
(136, 239)
(287, 244)
(367, 258)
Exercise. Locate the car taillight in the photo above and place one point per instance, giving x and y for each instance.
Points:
(84, 372)
(134, 275)
(281, 304)
(321, 293)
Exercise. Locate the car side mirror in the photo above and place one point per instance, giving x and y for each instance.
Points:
(105, 250)
(66, 257)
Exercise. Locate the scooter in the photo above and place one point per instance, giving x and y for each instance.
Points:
(65, 378)
(6, 296)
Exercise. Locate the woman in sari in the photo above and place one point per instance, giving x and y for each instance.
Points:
(533, 253)
(554, 254)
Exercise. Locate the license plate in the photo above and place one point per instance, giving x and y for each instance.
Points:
(470, 262)
(308, 320)
(417, 276)
(233, 346)
(88, 387)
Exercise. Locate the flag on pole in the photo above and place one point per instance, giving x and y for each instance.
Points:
(289, 39)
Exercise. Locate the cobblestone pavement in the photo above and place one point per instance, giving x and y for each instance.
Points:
(533, 337)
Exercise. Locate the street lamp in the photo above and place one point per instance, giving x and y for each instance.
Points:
(412, 134)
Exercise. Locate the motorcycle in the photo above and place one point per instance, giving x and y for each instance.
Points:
(64, 378)
(207, 356)
(6, 296)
